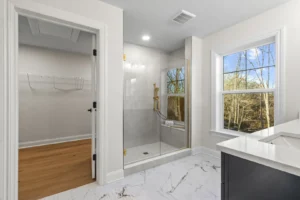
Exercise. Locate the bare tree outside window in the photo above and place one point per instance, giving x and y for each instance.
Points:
(176, 92)
(252, 69)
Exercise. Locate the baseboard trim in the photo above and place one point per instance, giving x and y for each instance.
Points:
(114, 176)
(207, 151)
(23, 145)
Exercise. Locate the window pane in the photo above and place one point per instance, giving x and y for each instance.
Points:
(175, 81)
(250, 69)
(175, 108)
(175, 87)
(248, 112)
(261, 56)
(235, 81)
(262, 78)
(234, 62)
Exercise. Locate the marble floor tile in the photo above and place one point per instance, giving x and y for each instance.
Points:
(195, 177)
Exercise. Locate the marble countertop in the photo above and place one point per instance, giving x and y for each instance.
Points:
(254, 148)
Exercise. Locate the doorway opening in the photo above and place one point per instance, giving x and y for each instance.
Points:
(57, 108)
(11, 81)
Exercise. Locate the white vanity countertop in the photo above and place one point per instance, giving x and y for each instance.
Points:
(251, 147)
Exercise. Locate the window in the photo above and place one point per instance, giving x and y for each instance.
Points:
(176, 94)
(248, 89)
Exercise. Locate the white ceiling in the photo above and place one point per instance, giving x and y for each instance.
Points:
(48, 35)
(154, 17)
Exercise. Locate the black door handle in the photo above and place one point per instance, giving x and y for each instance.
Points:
(89, 110)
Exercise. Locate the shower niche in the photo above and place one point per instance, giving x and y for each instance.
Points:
(156, 103)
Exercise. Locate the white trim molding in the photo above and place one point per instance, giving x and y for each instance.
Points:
(278, 37)
(23, 145)
(3, 99)
(114, 176)
(10, 79)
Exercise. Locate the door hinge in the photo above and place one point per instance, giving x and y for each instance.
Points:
(94, 156)
(94, 104)
(94, 52)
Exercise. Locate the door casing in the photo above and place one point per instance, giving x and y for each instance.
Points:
(11, 121)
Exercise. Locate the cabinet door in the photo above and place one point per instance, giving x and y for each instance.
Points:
(246, 180)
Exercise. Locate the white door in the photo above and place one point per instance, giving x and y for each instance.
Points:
(94, 108)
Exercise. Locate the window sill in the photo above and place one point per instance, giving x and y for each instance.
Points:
(226, 133)
(173, 127)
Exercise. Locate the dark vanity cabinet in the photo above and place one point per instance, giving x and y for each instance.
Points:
(246, 180)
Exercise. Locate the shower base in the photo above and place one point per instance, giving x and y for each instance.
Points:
(147, 151)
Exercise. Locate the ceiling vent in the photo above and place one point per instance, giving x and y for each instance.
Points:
(183, 17)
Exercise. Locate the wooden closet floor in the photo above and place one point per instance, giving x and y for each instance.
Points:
(50, 169)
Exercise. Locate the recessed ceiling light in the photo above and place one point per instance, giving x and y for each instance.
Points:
(146, 37)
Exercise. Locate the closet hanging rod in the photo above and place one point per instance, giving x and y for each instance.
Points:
(79, 82)
(54, 76)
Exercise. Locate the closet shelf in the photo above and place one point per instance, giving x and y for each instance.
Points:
(76, 81)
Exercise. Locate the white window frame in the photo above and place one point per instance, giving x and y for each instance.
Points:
(217, 92)
(177, 95)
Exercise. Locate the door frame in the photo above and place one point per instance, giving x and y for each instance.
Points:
(11, 102)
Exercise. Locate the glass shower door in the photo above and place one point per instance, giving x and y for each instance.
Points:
(155, 103)
(174, 106)
(141, 124)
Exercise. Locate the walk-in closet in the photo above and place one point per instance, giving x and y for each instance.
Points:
(56, 114)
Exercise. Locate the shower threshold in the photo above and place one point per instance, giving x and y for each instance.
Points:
(147, 151)
(156, 161)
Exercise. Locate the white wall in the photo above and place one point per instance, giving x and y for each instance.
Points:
(193, 54)
(198, 117)
(176, 59)
(46, 113)
(286, 15)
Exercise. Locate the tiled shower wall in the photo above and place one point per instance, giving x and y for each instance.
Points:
(141, 70)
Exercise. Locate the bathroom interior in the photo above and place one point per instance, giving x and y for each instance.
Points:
(196, 104)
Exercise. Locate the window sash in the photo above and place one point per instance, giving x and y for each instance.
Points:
(217, 76)
(244, 70)
(176, 121)
(176, 95)
(171, 82)
(183, 94)
(248, 91)
(221, 117)
(223, 92)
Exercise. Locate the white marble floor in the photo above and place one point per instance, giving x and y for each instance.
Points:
(136, 154)
(195, 177)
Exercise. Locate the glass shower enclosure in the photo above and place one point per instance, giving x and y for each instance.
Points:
(156, 104)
